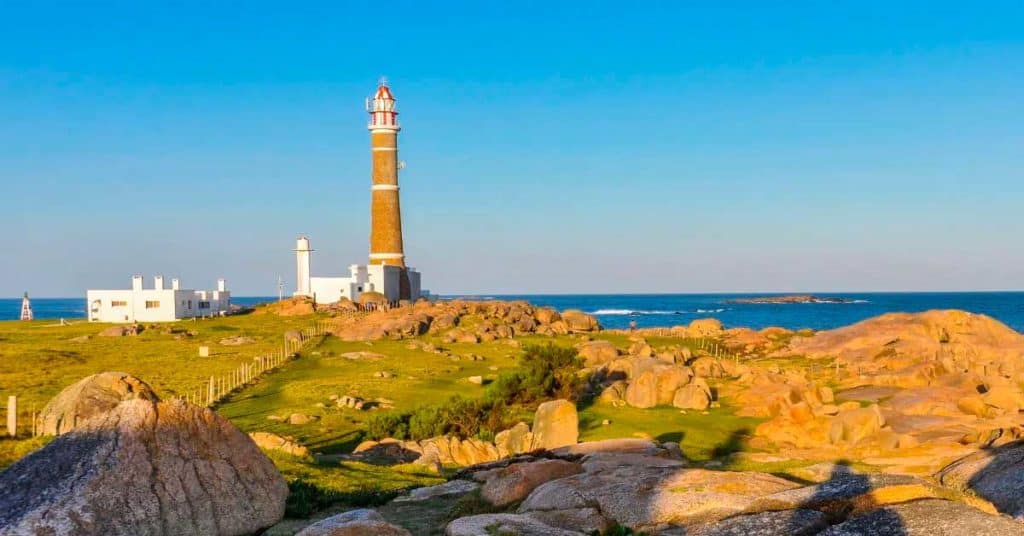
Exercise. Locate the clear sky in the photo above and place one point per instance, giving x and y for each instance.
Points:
(553, 147)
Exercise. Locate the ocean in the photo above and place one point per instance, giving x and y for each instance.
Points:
(654, 310)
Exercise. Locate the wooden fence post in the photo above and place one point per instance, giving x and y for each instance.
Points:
(209, 397)
(12, 416)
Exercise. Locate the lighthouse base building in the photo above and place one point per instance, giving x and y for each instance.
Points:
(381, 278)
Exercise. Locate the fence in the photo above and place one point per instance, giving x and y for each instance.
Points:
(211, 392)
(22, 423)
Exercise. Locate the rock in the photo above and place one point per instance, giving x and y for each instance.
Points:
(363, 356)
(236, 341)
(642, 496)
(707, 367)
(555, 424)
(363, 522)
(452, 487)
(454, 451)
(89, 397)
(597, 353)
(519, 525)
(691, 397)
(300, 419)
(122, 331)
(588, 520)
(144, 467)
(513, 483)
(476, 380)
(852, 426)
(845, 492)
(579, 321)
(996, 475)
(930, 517)
(383, 374)
(515, 440)
(618, 446)
(798, 522)
(546, 315)
(269, 441)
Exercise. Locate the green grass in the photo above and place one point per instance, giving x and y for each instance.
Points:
(38, 359)
(420, 378)
(701, 437)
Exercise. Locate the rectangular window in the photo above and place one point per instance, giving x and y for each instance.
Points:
(190, 305)
(118, 303)
(155, 304)
(204, 305)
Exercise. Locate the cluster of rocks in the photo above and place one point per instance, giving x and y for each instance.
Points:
(128, 463)
(463, 321)
(645, 378)
(645, 486)
(555, 424)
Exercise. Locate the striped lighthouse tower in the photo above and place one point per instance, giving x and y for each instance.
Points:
(385, 212)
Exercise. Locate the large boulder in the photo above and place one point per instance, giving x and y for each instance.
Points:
(513, 483)
(597, 353)
(645, 496)
(692, 396)
(580, 321)
(269, 441)
(363, 522)
(89, 397)
(996, 475)
(798, 522)
(555, 424)
(161, 468)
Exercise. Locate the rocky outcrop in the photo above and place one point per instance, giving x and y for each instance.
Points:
(488, 320)
(364, 522)
(122, 331)
(597, 353)
(997, 475)
(89, 397)
(160, 468)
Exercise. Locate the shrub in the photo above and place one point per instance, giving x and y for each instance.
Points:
(544, 372)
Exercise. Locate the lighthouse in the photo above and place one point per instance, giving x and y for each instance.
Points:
(386, 277)
(385, 211)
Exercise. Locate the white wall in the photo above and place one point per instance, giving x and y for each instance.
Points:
(164, 305)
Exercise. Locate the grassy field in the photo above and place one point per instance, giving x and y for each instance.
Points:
(39, 359)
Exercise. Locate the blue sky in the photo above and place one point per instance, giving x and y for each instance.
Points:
(550, 147)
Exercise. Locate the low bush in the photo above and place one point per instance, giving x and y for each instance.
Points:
(544, 373)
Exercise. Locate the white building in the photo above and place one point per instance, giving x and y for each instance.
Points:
(157, 304)
(383, 278)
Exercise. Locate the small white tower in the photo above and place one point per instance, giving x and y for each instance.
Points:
(302, 252)
(26, 308)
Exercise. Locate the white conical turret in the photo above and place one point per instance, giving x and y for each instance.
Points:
(302, 254)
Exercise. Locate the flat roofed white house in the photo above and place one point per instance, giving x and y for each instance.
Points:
(157, 304)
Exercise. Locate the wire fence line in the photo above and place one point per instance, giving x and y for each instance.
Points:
(23, 422)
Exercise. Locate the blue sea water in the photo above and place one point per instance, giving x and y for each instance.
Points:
(74, 308)
(653, 310)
